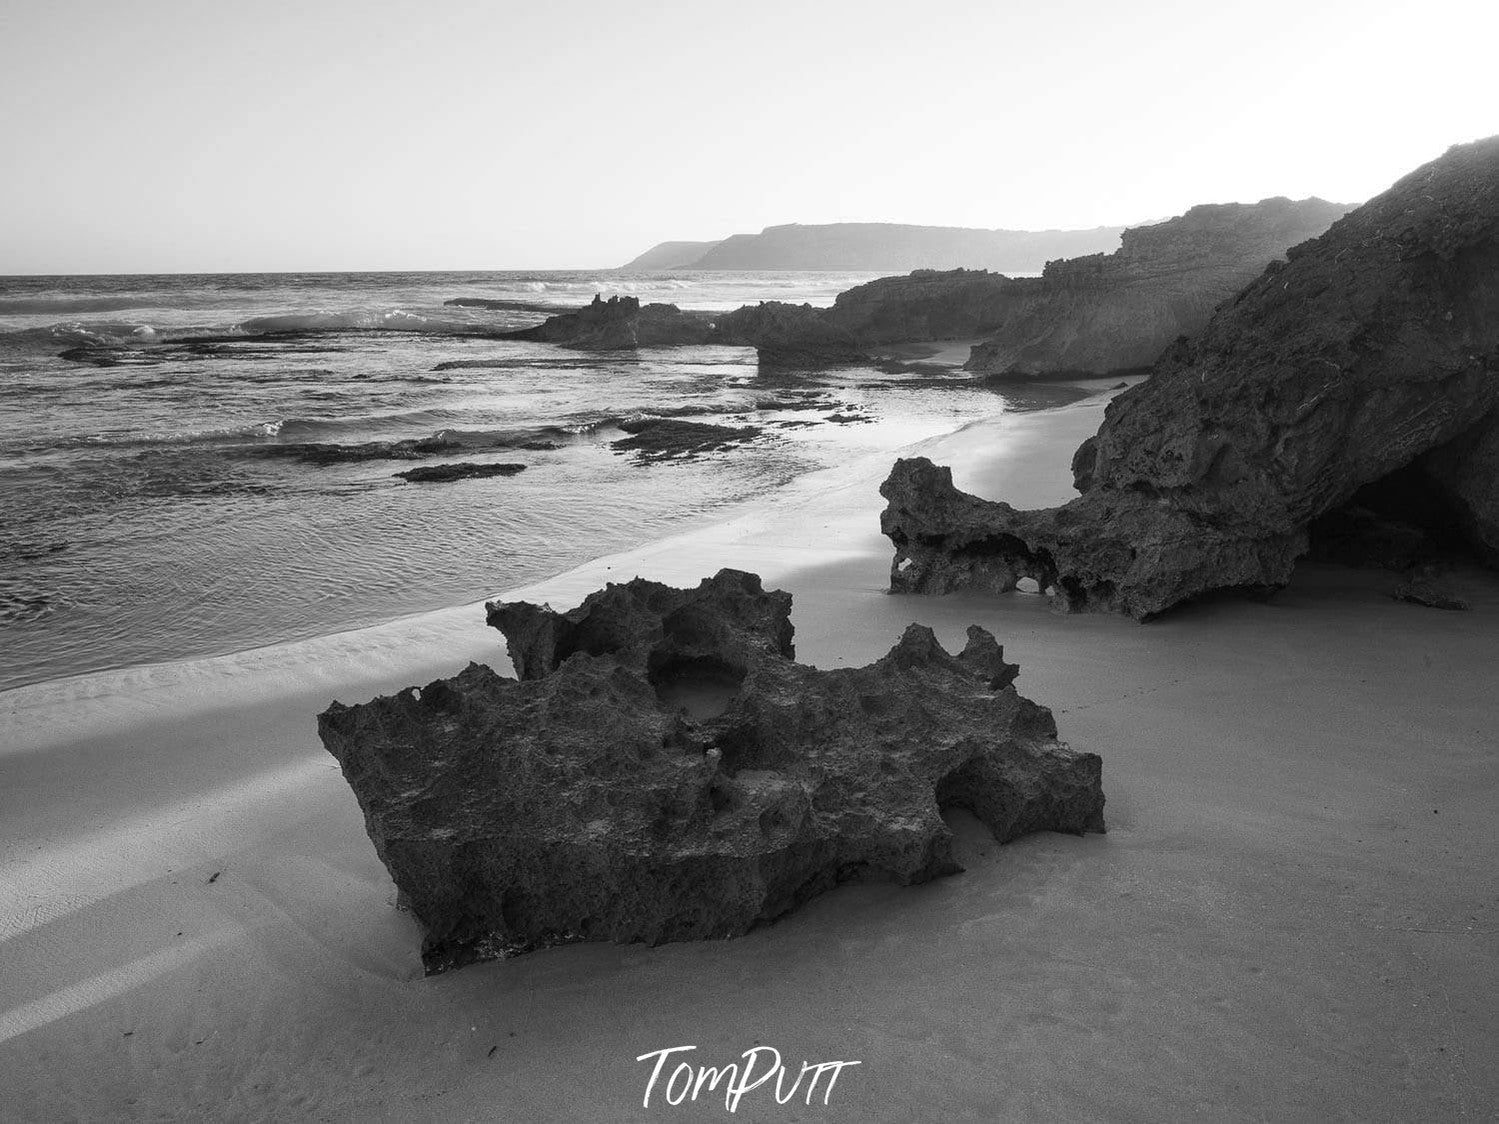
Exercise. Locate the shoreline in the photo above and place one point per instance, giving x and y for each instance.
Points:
(418, 639)
(1290, 917)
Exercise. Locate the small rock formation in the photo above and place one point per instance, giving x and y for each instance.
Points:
(664, 770)
(1117, 312)
(463, 470)
(1374, 347)
(620, 323)
(1428, 585)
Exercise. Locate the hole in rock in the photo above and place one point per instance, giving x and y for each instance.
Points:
(703, 686)
(1395, 522)
(972, 840)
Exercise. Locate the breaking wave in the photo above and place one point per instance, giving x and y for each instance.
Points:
(396, 320)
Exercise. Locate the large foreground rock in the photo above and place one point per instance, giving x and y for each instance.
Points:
(1375, 346)
(664, 770)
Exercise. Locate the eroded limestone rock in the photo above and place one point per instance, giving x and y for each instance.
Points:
(664, 770)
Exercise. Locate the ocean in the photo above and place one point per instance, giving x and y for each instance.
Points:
(181, 471)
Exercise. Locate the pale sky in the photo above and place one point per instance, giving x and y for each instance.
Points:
(206, 135)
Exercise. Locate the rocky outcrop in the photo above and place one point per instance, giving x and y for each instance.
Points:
(924, 305)
(663, 770)
(1374, 345)
(793, 336)
(620, 323)
(1093, 314)
(1088, 315)
(1117, 312)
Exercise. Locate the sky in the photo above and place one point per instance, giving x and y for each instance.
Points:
(265, 135)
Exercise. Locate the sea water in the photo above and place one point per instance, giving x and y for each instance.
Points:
(170, 486)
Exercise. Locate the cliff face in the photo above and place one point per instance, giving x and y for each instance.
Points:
(874, 246)
(1114, 312)
(1376, 344)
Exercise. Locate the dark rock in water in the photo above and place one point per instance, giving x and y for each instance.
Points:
(1118, 312)
(620, 323)
(790, 336)
(664, 770)
(464, 470)
(1428, 585)
(1375, 344)
(667, 438)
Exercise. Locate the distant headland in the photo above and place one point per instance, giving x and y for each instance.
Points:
(882, 247)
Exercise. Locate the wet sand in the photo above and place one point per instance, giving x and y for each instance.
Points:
(1293, 915)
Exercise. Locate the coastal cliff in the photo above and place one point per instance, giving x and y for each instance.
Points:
(1107, 313)
(1375, 347)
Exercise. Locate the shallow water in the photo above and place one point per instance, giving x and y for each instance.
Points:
(181, 486)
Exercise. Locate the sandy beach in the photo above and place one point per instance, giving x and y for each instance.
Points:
(1292, 916)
